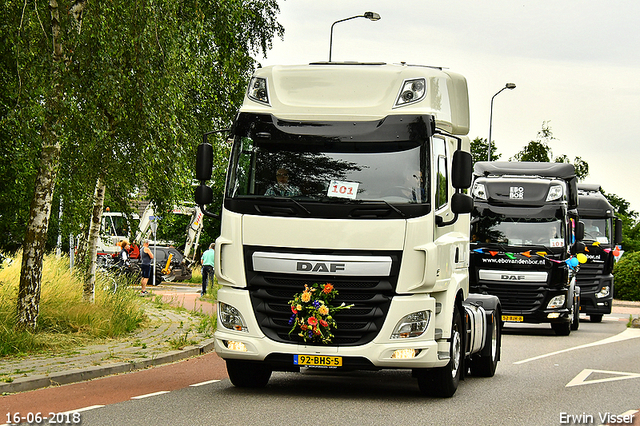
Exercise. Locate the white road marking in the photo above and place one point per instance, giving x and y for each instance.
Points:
(581, 379)
(204, 383)
(629, 333)
(149, 395)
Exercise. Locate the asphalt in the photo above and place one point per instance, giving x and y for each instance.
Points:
(146, 348)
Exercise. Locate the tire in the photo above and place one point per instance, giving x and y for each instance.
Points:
(248, 374)
(485, 365)
(443, 382)
(575, 319)
(561, 328)
(595, 317)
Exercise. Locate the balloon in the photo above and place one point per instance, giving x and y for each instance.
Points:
(616, 252)
(573, 262)
(581, 257)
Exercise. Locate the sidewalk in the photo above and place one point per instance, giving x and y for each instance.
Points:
(148, 347)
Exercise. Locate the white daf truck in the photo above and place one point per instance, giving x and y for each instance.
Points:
(345, 231)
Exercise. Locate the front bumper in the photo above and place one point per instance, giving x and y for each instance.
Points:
(373, 355)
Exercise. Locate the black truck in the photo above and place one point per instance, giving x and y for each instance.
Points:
(524, 229)
(602, 232)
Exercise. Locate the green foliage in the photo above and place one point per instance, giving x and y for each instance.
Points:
(627, 277)
(540, 151)
(479, 150)
(142, 82)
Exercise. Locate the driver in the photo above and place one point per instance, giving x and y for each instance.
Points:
(282, 187)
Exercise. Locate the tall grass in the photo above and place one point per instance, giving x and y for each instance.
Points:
(64, 320)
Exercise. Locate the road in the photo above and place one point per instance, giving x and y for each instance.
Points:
(542, 379)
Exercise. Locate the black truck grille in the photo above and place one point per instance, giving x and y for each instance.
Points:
(520, 297)
(371, 296)
(589, 275)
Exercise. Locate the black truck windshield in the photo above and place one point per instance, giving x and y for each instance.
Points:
(518, 232)
(597, 230)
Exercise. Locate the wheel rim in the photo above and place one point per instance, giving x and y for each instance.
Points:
(456, 347)
(494, 340)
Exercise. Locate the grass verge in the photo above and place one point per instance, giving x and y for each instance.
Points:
(65, 321)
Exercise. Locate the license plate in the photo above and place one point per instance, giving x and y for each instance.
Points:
(318, 360)
(512, 318)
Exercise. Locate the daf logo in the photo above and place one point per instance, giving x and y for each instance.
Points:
(319, 267)
(506, 277)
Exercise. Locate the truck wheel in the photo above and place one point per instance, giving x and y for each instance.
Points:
(595, 317)
(485, 365)
(561, 328)
(442, 382)
(575, 322)
(247, 374)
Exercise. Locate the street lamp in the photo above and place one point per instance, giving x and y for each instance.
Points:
(509, 86)
(372, 16)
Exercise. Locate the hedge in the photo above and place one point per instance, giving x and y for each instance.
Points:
(627, 277)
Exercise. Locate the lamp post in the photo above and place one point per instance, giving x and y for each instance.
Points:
(509, 86)
(372, 16)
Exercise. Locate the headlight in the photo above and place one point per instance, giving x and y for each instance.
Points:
(412, 91)
(479, 191)
(555, 193)
(412, 325)
(231, 318)
(258, 90)
(604, 292)
(556, 302)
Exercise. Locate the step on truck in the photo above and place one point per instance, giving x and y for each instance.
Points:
(602, 232)
(524, 228)
(345, 230)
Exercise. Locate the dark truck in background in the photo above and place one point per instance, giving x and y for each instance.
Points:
(524, 228)
(602, 232)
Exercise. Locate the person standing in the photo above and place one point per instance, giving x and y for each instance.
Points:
(145, 265)
(207, 267)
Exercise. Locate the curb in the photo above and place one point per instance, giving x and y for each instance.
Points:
(88, 373)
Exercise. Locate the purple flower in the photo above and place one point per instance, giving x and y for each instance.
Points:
(316, 304)
(293, 317)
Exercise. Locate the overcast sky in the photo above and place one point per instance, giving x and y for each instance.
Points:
(576, 64)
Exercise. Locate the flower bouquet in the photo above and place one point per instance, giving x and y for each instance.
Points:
(312, 313)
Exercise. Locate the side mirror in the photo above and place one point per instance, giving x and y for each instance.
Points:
(203, 195)
(579, 231)
(618, 232)
(461, 170)
(461, 203)
(204, 162)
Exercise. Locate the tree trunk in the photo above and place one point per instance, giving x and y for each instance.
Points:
(28, 304)
(89, 290)
(34, 242)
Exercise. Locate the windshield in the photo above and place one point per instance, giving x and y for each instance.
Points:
(518, 232)
(322, 169)
(597, 230)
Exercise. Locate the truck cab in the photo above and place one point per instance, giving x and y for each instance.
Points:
(602, 232)
(523, 232)
(348, 178)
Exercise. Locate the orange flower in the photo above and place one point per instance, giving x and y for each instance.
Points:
(293, 310)
(306, 296)
(328, 288)
(324, 323)
(323, 310)
(312, 321)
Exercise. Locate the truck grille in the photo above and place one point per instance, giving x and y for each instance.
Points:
(371, 297)
(516, 297)
(589, 275)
